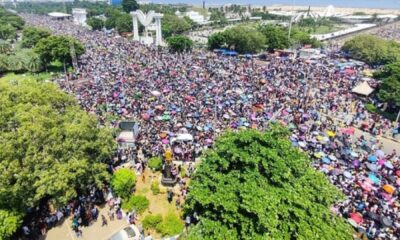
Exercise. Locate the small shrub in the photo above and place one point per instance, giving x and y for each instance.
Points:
(183, 171)
(151, 221)
(171, 225)
(155, 188)
(371, 108)
(138, 202)
(123, 182)
(155, 163)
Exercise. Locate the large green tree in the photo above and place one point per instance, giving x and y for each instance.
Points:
(8, 18)
(58, 48)
(5, 47)
(51, 150)
(9, 222)
(172, 24)
(179, 43)
(244, 39)
(216, 40)
(124, 23)
(129, 5)
(95, 23)
(32, 35)
(7, 32)
(255, 185)
(123, 182)
(373, 50)
(389, 90)
(277, 37)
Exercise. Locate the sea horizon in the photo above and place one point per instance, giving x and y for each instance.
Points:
(377, 4)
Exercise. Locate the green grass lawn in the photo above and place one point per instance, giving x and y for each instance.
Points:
(321, 29)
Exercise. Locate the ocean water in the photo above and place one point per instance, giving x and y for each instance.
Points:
(336, 3)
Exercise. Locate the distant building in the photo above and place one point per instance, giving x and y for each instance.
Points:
(143, 2)
(59, 15)
(194, 16)
(114, 2)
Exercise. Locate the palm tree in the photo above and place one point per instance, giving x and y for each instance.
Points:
(5, 47)
(33, 63)
(15, 63)
(3, 63)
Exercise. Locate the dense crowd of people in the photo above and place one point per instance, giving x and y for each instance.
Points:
(201, 94)
(390, 33)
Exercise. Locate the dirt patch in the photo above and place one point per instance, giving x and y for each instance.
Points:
(158, 203)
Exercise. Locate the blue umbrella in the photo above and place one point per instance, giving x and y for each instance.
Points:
(374, 178)
(389, 165)
(347, 174)
(326, 160)
(372, 167)
(372, 158)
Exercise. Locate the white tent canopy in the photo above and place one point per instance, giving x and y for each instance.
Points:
(363, 89)
(182, 137)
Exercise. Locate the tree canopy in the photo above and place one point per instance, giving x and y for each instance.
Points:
(277, 38)
(129, 5)
(123, 182)
(218, 17)
(21, 61)
(95, 23)
(58, 48)
(240, 38)
(172, 24)
(31, 36)
(11, 19)
(255, 185)
(179, 43)
(372, 50)
(50, 148)
(389, 90)
(246, 39)
(124, 23)
(7, 32)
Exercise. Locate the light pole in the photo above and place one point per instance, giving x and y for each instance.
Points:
(291, 20)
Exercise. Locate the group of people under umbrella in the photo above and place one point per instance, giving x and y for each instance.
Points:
(200, 94)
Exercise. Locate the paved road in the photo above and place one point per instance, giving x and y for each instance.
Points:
(93, 232)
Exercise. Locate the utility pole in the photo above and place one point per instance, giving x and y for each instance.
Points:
(291, 20)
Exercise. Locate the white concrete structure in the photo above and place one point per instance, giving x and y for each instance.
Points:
(59, 15)
(79, 16)
(146, 20)
(196, 17)
(356, 28)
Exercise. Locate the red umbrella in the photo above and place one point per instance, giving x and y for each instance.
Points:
(348, 131)
(356, 217)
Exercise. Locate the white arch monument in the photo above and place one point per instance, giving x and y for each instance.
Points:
(146, 20)
(79, 16)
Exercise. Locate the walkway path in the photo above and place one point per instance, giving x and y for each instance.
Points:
(93, 232)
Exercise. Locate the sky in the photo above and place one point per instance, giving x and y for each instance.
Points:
(336, 3)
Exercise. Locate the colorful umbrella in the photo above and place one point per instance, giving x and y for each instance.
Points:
(372, 167)
(356, 217)
(374, 178)
(380, 153)
(389, 165)
(326, 160)
(330, 133)
(348, 131)
(372, 158)
(389, 188)
(347, 175)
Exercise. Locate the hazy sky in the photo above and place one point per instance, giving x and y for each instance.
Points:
(336, 3)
